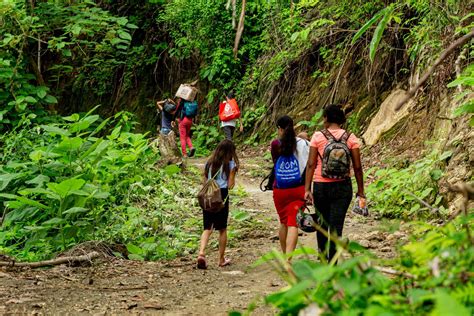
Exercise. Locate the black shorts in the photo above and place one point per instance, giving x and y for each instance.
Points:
(217, 220)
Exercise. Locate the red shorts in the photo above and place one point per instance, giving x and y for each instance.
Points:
(287, 203)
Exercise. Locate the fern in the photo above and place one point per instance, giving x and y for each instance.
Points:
(464, 294)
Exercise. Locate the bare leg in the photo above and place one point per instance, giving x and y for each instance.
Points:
(291, 239)
(282, 234)
(222, 244)
(204, 240)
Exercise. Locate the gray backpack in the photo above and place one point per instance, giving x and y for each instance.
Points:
(336, 159)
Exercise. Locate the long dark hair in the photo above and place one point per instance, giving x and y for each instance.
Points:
(288, 139)
(222, 155)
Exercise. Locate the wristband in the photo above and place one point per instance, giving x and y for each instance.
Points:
(360, 195)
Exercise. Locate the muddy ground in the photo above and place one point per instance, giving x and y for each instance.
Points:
(114, 286)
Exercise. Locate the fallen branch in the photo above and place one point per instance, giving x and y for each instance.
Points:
(459, 42)
(394, 272)
(431, 208)
(53, 262)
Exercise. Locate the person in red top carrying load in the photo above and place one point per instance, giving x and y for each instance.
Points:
(229, 113)
(332, 151)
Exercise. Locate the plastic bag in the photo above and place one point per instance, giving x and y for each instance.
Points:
(360, 207)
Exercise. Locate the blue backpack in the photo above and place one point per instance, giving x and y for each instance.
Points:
(287, 172)
(190, 109)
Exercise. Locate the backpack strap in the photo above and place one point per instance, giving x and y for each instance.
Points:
(327, 134)
(345, 137)
(209, 172)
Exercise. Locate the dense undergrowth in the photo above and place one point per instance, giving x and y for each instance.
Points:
(84, 178)
(431, 276)
(66, 180)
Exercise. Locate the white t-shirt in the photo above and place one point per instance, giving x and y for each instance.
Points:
(302, 153)
(228, 123)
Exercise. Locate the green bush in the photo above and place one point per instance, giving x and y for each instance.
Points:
(410, 191)
(432, 275)
(73, 181)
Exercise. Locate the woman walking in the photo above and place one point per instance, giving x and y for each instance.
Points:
(222, 166)
(289, 155)
(328, 171)
(185, 122)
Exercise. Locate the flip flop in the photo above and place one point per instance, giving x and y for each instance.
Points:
(226, 263)
(201, 262)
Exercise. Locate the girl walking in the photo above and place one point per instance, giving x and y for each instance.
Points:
(222, 166)
(289, 155)
(328, 171)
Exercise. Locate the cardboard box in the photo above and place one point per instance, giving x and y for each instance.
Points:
(186, 92)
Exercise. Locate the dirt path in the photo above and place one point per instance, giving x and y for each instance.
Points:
(171, 287)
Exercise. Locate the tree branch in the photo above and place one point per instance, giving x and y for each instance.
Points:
(459, 42)
(52, 262)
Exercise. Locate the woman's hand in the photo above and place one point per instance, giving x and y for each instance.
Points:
(308, 197)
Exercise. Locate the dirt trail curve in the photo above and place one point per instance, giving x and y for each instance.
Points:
(169, 287)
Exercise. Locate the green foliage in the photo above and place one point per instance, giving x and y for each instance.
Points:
(76, 181)
(315, 123)
(86, 42)
(465, 80)
(206, 138)
(433, 278)
(400, 191)
(385, 16)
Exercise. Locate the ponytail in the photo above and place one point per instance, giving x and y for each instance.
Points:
(288, 139)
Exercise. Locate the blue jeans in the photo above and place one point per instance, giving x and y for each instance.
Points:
(165, 131)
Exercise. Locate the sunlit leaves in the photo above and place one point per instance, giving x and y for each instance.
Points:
(384, 17)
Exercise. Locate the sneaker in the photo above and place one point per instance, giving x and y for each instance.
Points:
(191, 152)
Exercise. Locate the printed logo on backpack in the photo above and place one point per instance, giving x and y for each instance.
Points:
(287, 172)
(336, 159)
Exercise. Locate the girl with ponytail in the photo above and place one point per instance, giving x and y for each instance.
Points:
(288, 192)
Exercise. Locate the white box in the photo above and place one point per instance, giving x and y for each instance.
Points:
(186, 92)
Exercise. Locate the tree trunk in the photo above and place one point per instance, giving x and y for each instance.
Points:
(240, 28)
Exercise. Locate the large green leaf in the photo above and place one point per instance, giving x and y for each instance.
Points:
(366, 26)
(65, 187)
(447, 305)
(172, 170)
(75, 210)
(54, 221)
(6, 178)
(55, 130)
(374, 43)
(133, 249)
(69, 144)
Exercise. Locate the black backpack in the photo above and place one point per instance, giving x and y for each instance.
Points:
(270, 178)
(336, 158)
(169, 107)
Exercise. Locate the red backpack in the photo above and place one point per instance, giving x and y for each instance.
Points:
(229, 110)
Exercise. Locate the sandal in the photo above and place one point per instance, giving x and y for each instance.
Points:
(201, 262)
(225, 263)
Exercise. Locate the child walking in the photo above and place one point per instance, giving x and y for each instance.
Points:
(223, 166)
